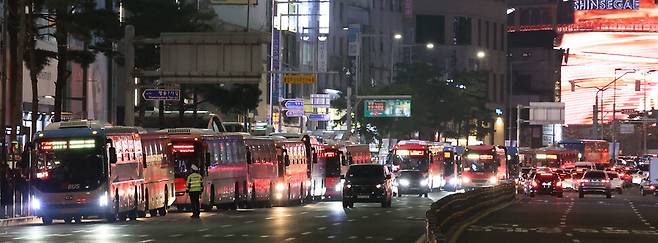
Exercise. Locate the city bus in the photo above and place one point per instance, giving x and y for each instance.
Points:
(262, 170)
(555, 157)
(293, 182)
(416, 155)
(451, 168)
(159, 173)
(483, 166)
(186, 148)
(226, 182)
(87, 169)
(336, 159)
(597, 151)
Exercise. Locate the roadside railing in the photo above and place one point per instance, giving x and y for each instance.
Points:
(446, 215)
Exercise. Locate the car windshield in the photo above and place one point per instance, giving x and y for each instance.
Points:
(407, 162)
(597, 175)
(332, 165)
(366, 172)
(411, 174)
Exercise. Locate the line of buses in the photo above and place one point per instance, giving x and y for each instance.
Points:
(93, 169)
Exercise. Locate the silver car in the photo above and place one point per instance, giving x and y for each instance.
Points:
(595, 182)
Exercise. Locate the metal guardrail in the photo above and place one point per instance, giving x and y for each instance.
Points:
(445, 215)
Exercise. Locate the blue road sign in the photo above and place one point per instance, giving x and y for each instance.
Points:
(161, 94)
(293, 104)
(319, 117)
(295, 113)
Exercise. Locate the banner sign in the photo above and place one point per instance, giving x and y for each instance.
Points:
(387, 108)
(606, 5)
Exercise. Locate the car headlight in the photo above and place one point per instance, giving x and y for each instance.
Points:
(465, 179)
(339, 187)
(102, 200)
(36, 203)
(348, 186)
(280, 186)
(378, 186)
(493, 180)
(453, 181)
(404, 182)
(423, 182)
(652, 187)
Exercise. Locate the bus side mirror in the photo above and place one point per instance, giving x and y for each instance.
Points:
(315, 158)
(286, 160)
(249, 158)
(113, 155)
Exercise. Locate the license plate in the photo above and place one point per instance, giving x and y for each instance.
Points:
(363, 196)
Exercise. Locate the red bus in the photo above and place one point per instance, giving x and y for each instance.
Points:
(226, 182)
(159, 189)
(437, 164)
(85, 168)
(293, 182)
(555, 157)
(187, 149)
(262, 169)
(336, 159)
(483, 166)
(597, 151)
(419, 155)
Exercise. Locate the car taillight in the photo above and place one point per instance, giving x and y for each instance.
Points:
(558, 184)
(605, 181)
(534, 184)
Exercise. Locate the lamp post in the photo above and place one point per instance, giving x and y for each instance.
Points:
(614, 110)
(644, 113)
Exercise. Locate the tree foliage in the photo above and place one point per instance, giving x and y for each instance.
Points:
(455, 107)
(237, 99)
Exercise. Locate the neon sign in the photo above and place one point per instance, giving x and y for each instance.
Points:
(183, 148)
(410, 152)
(72, 144)
(606, 5)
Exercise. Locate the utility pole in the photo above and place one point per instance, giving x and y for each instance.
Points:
(129, 107)
(17, 66)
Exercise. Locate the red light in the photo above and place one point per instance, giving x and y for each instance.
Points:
(546, 174)
(534, 184)
(183, 148)
(42, 175)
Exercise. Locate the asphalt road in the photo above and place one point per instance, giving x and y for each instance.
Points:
(316, 222)
(594, 219)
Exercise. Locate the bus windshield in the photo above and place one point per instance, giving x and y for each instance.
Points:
(69, 168)
(483, 163)
(407, 160)
(332, 166)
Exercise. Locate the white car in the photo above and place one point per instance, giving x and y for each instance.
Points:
(616, 183)
(639, 176)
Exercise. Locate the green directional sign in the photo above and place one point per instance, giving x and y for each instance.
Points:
(387, 108)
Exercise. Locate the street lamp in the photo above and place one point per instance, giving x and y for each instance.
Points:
(614, 110)
(397, 36)
(430, 45)
(481, 54)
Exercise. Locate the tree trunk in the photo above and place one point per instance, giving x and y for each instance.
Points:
(61, 36)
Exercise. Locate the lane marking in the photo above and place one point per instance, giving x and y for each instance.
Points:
(264, 236)
(576, 241)
(229, 235)
(145, 241)
(206, 236)
(202, 230)
(389, 239)
(569, 234)
(290, 239)
(335, 224)
(322, 228)
(353, 237)
(226, 225)
(306, 233)
(331, 237)
(175, 235)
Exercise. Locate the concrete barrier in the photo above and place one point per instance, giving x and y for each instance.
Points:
(18, 221)
(445, 216)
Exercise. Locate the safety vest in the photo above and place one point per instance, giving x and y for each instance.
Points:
(194, 182)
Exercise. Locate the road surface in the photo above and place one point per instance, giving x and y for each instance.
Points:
(594, 219)
(317, 222)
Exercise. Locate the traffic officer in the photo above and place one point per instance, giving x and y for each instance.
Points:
(194, 189)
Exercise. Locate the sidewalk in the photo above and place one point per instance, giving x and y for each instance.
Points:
(18, 221)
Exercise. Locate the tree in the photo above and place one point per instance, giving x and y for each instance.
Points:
(83, 20)
(238, 99)
(453, 106)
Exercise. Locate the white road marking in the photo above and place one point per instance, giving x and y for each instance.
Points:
(269, 218)
(264, 236)
(335, 224)
(207, 236)
(303, 213)
(202, 230)
(368, 237)
(245, 235)
(290, 239)
(143, 236)
(389, 239)
(229, 235)
(249, 222)
(569, 234)
(322, 228)
(353, 237)
(226, 225)
(306, 233)
(331, 237)
(145, 241)
(576, 241)
(175, 235)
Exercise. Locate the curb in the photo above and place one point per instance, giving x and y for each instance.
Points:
(18, 221)
(457, 234)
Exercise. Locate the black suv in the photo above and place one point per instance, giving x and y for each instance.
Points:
(367, 183)
(412, 182)
(545, 183)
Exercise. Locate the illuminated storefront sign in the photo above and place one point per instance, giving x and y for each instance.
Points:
(606, 4)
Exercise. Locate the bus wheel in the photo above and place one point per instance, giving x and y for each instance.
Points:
(68, 220)
(78, 219)
(47, 220)
(123, 216)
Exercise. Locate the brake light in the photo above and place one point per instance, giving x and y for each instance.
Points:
(534, 184)
(558, 184)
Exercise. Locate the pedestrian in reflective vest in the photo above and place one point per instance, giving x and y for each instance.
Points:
(194, 189)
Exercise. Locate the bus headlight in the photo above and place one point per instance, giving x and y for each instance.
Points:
(280, 186)
(378, 186)
(339, 187)
(102, 201)
(493, 180)
(36, 203)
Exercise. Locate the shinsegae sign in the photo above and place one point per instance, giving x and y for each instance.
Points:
(606, 4)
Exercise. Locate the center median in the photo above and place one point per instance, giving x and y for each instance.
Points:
(446, 216)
